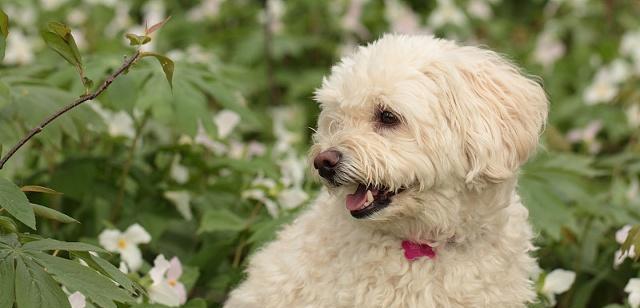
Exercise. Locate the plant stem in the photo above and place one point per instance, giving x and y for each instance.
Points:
(127, 166)
(34, 131)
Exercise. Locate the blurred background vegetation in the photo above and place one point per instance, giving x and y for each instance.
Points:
(212, 167)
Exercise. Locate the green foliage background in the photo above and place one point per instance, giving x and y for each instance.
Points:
(580, 188)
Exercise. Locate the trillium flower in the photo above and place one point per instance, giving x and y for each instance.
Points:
(77, 300)
(557, 282)
(633, 288)
(178, 172)
(619, 256)
(166, 289)
(126, 244)
(226, 121)
(603, 89)
(181, 199)
(447, 13)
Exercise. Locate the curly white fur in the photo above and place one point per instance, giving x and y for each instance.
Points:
(470, 119)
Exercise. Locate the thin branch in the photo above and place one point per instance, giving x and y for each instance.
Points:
(127, 63)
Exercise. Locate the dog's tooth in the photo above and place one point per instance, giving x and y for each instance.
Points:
(369, 196)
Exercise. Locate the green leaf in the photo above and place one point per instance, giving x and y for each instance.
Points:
(221, 220)
(7, 225)
(16, 203)
(35, 288)
(166, 63)
(58, 37)
(7, 272)
(98, 288)
(4, 32)
(51, 244)
(136, 40)
(107, 269)
(41, 189)
(49, 213)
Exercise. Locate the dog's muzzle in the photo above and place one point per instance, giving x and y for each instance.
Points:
(326, 163)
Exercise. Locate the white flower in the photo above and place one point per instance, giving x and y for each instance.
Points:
(401, 18)
(630, 46)
(206, 9)
(633, 288)
(619, 70)
(119, 124)
(548, 49)
(51, 4)
(351, 20)
(19, 48)
(276, 10)
(154, 12)
(24, 16)
(77, 300)
(126, 244)
(619, 256)
(76, 17)
(447, 13)
(226, 121)
(603, 89)
(557, 282)
(123, 268)
(165, 288)
(178, 172)
(292, 198)
(587, 135)
(479, 9)
(120, 21)
(292, 169)
(255, 148)
(181, 200)
(259, 195)
(621, 235)
(633, 115)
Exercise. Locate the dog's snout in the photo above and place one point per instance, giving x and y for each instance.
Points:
(326, 163)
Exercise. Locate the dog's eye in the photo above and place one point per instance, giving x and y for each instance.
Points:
(388, 118)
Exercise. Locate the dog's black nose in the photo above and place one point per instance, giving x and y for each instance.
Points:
(326, 163)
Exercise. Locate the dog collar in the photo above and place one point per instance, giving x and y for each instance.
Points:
(413, 251)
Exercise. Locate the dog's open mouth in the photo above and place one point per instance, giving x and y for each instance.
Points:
(367, 200)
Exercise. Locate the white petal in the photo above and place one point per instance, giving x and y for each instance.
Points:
(634, 299)
(179, 172)
(618, 258)
(292, 198)
(633, 286)
(109, 239)
(226, 121)
(136, 234)
(123, 267)
(163, 293)
(621, 235)
(175, 269)
(181, 200)
(132, 256)
(558, 281)
(77, 300)
(160, 267)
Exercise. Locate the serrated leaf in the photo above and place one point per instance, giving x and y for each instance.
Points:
(34, 288)
(16, 203)
(221, 220)
(40, 189)
(98, 288)
(166, 64)
(107, 269)
(51, 244)
(49, 213)
(7, 272)
(7, 225)
(157, 26)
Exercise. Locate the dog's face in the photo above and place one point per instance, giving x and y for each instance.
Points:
(410, 117)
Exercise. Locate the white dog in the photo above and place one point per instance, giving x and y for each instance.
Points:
(421, 140)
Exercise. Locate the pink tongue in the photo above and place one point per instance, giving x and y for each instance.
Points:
(357, 199)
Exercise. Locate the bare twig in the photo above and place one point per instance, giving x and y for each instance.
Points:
(127, 63)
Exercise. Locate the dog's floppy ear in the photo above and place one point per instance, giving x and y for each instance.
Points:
(498, 112)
